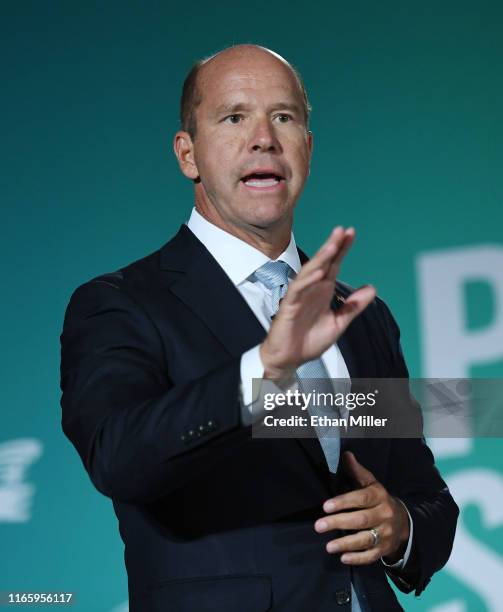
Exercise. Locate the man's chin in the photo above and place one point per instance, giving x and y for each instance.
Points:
(270, 215)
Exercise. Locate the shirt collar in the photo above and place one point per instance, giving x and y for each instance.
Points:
(237, 258)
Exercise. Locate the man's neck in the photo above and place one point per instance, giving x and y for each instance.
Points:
(270, 241)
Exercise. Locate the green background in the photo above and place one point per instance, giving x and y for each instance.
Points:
(408, 146)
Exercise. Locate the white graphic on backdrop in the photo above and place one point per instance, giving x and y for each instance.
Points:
(449, 348)
(484, 571)
(16, 494)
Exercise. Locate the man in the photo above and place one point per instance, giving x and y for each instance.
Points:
(157, 362)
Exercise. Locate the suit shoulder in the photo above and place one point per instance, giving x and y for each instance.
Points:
(135, 273)
(121, 286)
(131, 273)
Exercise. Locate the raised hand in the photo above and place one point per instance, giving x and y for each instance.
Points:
(305, 325)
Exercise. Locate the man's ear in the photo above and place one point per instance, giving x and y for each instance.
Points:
(184, 151)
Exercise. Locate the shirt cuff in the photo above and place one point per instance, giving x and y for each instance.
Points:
(251, 367)
(254, 386)
(400, 564)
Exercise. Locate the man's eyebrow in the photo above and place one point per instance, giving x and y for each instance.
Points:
(291, 106)
(231, 108)
(241, 106)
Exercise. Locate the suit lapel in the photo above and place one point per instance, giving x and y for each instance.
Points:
(355, 350)
(209, 293)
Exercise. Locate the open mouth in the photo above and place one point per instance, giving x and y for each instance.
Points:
(262, 180)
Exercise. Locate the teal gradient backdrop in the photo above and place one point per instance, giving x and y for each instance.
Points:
(408, 147)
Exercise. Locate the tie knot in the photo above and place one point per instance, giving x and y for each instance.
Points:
(273, 274)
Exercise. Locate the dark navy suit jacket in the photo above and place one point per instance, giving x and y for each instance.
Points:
(211, 518)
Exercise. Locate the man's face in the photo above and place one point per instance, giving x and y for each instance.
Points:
(252, 149)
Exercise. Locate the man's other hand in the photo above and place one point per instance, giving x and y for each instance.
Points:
(368, 507)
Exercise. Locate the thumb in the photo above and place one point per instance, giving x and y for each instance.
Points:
(360, 473)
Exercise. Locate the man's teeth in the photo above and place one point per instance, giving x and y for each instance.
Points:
(268, 182)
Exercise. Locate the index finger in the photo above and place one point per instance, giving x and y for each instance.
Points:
(349, 236)
(325, 253)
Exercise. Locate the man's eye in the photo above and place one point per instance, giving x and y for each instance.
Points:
(284, 118)
(233, 118)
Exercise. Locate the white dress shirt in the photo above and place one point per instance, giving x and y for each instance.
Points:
(239, 260)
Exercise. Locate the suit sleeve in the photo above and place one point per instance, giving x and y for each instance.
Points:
(415, 479)
(139, 436)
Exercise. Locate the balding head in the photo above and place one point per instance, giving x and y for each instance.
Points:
(206, 69)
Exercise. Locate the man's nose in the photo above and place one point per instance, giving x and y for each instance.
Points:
(263, 136)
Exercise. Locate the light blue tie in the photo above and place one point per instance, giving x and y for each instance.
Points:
(275, 276)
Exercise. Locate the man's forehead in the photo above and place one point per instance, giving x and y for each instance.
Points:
(232, 74)
(246, 76)
(246, 83)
